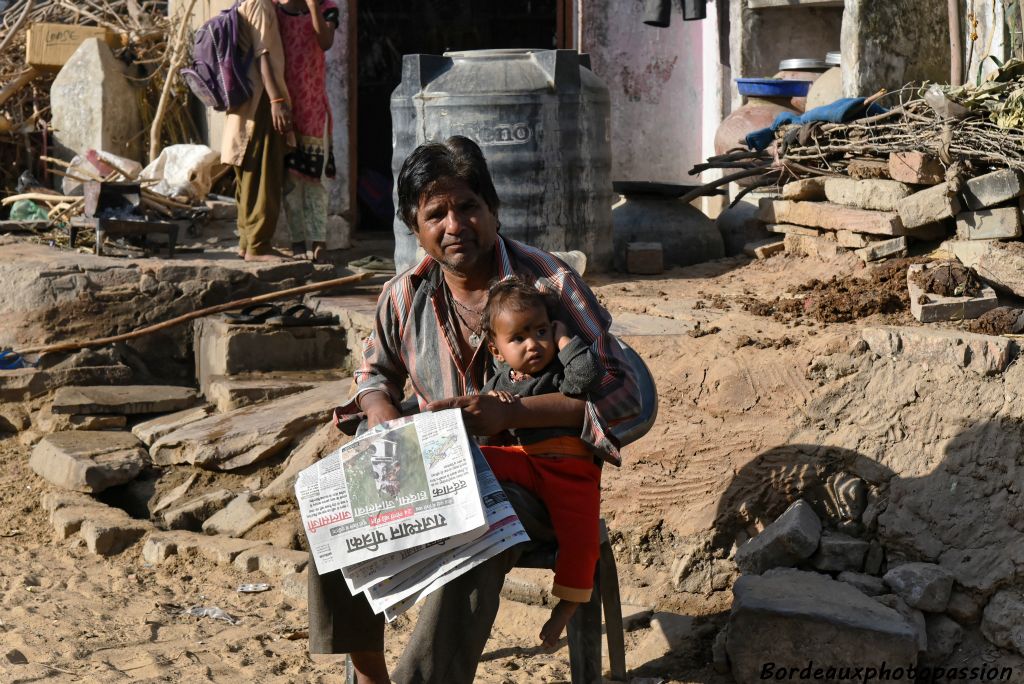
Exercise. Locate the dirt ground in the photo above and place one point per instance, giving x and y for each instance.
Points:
(730, 391)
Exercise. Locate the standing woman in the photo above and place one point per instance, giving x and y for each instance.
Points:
(257, 133)
(307, 30)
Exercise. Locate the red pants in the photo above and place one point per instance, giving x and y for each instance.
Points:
(570, 487)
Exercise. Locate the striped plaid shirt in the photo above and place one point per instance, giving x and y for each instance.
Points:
(415, 336)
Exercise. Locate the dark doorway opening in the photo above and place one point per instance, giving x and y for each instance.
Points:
(388, 29)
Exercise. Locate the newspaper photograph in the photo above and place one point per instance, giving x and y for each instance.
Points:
(412, 483)
(389, 579)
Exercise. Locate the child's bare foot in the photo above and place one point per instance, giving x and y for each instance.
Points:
(552, 630)
(320, 253)
(272, 255)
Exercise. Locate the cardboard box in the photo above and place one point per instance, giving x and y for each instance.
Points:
(50, 46)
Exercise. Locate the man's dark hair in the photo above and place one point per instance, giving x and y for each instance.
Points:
(513, 294)
(457, 158)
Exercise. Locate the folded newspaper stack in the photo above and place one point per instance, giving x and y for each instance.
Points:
(405, 509)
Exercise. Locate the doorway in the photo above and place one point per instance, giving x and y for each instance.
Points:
(388, 29)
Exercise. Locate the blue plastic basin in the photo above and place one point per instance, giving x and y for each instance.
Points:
(772, 87)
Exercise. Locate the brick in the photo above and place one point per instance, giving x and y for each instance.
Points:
(789, 229)
(846, 238)
(644, 258)
(916, 168)
(107, 535)
(272, 561)
(831, 217)
(983, 354)
(993, 188)
(864, 170)
(817, 247)
(764, 248)
(989, 224)
(935, 204)
(939, 308)
(877, 195)
(883, 249)
(805, 189)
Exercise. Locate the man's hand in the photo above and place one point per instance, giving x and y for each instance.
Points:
(506, 397)
(484, 414)
(281, 114)
(378, 408)
(561, 334)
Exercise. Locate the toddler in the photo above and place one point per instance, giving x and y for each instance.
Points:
(535, 355)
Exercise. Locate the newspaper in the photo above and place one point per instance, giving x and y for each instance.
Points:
(389, 581)
(391, 490)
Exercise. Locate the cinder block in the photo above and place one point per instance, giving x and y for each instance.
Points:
(883, 249)
(645, 258)
(225, 348)
(1001, 223)
(993, 188)
(877, 195)
(928, 206)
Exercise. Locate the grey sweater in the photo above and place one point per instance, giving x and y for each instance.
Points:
(575, 371)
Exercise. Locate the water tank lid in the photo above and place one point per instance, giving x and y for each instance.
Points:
(834, 58)
(504, 53)
(802, 65)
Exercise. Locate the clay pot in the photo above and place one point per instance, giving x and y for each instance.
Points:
(757, 113)
(799, 103)
(827, 89)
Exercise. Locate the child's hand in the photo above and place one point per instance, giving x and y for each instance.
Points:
(561, 334)
(505, 397)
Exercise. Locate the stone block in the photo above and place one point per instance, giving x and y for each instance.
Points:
(868, 584)
(929, 308)
(644, 258)
(831, 217)
(883, 249)
(839, 552)
(86, 461)
(123, 400)
(916, 168)
(237, 518)
(226, 348)
(151, 430)
(220, 550)
(805, 190)
(1001, 264)
(193, 513)
(821, 248)
(764, 248)
(993, 188)
(108, 535)
(248, 435)
(93, 106)
(845, 238)
(221, 210)
(295, 586)
(272, 561)
(1000, 223)
(913, 616)
(877, 195)
(964, 607)
(53, 500)
(789, 229)
(68, 520)
(874, 558)
(944, 635)
(1001, 622)
(984, 354)
(867, 170)
(228, 393)
(788, 618)
(935, 204)
(791, 538)
(924, 586)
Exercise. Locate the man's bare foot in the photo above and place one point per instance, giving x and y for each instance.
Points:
(298, 250)
(320, 253)
(272, 255)
(241, 253)
(370, 667)
(552, 630)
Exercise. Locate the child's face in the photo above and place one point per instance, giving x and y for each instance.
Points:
(524, 339)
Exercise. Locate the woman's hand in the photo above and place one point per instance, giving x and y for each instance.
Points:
(483, 414)
(560, 331)
(281, 114)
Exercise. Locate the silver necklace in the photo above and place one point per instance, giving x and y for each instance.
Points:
(475, 332)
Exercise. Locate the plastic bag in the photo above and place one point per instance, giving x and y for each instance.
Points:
(183, 170)
(27, 210)
(942, 105)
(97, 164)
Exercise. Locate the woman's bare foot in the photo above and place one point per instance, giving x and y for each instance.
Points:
(271, 255)
(552, 630)
(320, 253)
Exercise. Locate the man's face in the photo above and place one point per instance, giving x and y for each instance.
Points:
(455, 226)
(524, 339)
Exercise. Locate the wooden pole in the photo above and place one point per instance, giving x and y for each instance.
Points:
(208, 311)
(178, 53)
(22, 80)
(956, 48)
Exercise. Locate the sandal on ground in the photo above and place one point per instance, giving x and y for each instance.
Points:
(372, 264)
(302, 315)
(254, 314)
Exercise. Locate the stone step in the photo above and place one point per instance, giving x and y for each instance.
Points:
(123, 400)
(87, 461)
(230, 392)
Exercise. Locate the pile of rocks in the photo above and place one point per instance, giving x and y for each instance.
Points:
(811, 596)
